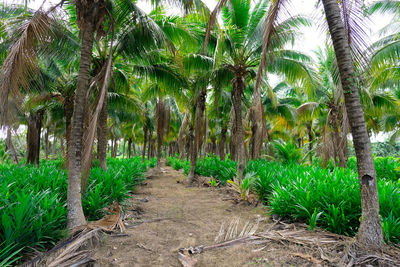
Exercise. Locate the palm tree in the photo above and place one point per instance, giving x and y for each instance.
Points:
(370, 231)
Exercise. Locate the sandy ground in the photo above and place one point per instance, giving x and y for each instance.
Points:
(164, 216)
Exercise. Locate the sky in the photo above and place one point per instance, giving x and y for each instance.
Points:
(311, 37)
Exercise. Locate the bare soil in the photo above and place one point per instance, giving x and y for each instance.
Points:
(164, 216)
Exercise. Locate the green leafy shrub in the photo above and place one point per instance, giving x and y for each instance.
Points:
(385, 167)
(286, 153)
(33, 200)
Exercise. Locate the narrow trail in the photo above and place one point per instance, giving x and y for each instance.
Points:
(164, 216)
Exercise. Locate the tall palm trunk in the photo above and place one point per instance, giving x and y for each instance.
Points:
(222, 143)
(74, 198)
(310, 140)
(102, 135)
(47, 144)
(144, 142)
(33, 137)
(370, 232)
(238, 86)
(129, 147)
(200, 107)
(180, 135)
(161, 120)
(68, 111)
(10, 145)
(149, 152)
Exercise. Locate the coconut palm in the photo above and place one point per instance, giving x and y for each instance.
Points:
(370, 231)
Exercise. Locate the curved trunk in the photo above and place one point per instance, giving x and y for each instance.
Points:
(238, 85)
(74, 197)
(102, 134)
(180, 135)
(200, 107)
(370, 232)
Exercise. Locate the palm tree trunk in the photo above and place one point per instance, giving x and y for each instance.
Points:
(238, 85)
(54, 147)
(149, 153)
(161, 120)
(10, 145)
(180, 135)
(222, 143)
(129, 147)
(310, 139)
(46, 143)
(200, 107)
(68, 111)
(33, 137)
(123, 148)
(74, 198)
(144, 142)
(102, 134)
(370, 232)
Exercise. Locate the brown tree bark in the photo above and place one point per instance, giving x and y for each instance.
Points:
(222, 143)
(161, 120)
(238, 86)
(102, 134)
(74, 197)
(200, 107)
(370, 232)
(35, 121)
(10, 145)
(310, 139)
(68, 111)
(46, 144)
(129, 147)
(145, 130)
(149, 152)
(180, 135)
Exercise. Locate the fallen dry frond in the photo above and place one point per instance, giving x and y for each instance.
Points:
(319, 246)
(79, 248)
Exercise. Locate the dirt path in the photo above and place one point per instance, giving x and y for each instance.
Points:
(164, 216)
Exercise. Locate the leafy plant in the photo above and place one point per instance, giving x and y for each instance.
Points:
(213, 182)
(244, 186)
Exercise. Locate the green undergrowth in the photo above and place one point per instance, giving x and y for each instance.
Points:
(221, 170)
(33, 208)
(323, 197)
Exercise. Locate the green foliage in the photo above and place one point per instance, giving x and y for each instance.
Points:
(221, 170)
(244, 186)
(287, 153)
(213, 183)
(385, 167)
(33, 200)
(329, 198)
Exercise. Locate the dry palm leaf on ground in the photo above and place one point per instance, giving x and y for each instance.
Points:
(318, 246)
(79, 247)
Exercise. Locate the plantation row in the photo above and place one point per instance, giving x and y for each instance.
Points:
(323, 197)
(33, 201)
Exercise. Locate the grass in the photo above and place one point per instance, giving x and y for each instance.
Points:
(325, 197)
(33, 201)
